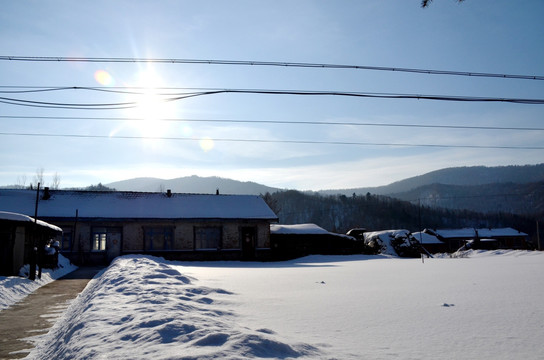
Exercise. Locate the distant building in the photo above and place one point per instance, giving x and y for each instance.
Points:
(500, 238)
(99, 226)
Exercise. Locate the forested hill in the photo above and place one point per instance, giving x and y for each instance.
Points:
(522, 199)
(340, 213)
(461, 176)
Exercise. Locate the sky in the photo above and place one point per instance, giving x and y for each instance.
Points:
(282, 140)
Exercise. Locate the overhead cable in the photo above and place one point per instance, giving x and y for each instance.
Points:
(273, 122)
(181, 96)
(265, 63)
(304, 142)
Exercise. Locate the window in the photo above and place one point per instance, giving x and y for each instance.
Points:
(66, 241)
(99, 239)
(208, 238)
(158, 238)
(104, 237)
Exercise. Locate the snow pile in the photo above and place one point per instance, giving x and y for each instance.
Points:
(143, 308)
(392, 242)
(485, 306)
(14, 288)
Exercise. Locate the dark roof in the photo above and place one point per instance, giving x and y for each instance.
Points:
(136, 205)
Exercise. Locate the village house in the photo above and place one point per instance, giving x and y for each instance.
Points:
(484, 238)
(99, 226)
(19, 235)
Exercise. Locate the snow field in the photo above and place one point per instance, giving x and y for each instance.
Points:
(484, 306)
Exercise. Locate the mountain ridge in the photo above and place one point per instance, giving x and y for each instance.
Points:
(457, 176)
(461, 176)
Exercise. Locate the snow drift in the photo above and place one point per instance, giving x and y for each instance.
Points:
(142, 308)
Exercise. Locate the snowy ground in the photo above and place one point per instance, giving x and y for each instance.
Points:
(15, 288)
(485, 306)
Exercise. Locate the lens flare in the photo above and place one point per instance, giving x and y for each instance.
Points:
(103, 77)
(206, 144)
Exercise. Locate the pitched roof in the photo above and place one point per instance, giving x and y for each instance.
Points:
(136, 205)
(10, 216)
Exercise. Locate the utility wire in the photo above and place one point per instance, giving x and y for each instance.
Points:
(275, 122)
(181, 96)
(265, 63)
(312, 142)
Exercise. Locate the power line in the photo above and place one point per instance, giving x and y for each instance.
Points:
(266, 63)
(181, 96)
(304, 142)
(275, 122)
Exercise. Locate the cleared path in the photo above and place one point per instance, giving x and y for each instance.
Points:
(35, 314)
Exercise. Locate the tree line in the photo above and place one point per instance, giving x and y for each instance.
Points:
(339, 213)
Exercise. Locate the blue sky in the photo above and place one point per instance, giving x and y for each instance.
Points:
(491, 36)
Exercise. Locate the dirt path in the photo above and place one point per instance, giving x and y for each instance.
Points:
(35, 314)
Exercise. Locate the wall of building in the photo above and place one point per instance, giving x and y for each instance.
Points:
(183, 242)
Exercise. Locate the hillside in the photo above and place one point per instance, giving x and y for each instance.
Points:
(523, 199)
(460, 176)
(340, 213)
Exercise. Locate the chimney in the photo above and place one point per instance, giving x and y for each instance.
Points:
(46, 194)
(169, 193)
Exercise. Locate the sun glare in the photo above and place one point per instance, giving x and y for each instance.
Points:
(151, 106)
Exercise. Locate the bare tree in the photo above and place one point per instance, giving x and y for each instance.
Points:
(38, 177)
(56, 181)
(21, 181)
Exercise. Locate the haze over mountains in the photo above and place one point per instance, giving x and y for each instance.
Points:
(192, 184)
(511, 189)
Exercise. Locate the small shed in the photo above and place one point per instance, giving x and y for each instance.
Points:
(292, 241)
(19, 234)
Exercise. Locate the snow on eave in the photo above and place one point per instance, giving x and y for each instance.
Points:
(10, 216)
(306, 229)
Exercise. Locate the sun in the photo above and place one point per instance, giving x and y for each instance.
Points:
(151, 105)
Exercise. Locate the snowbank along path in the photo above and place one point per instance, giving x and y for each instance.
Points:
(142, 308)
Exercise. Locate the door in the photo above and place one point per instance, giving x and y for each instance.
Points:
(113, 243)
(248, 243)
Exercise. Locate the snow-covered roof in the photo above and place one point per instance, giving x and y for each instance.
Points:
(10, 216)
(136, 205)
(311, 229)
(425, 238)
(469, 233)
